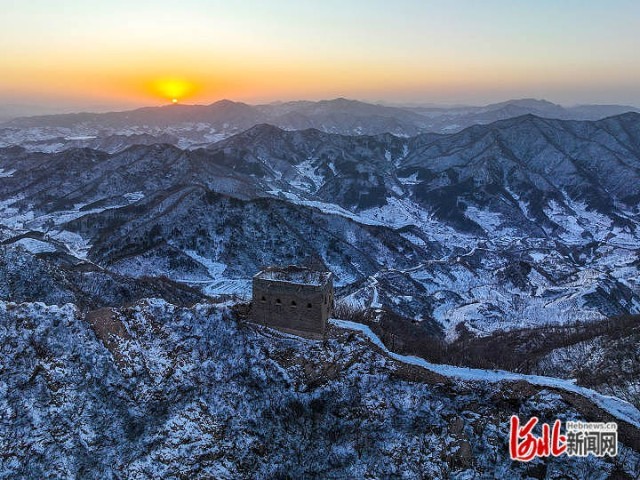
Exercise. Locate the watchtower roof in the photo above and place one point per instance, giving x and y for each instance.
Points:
(295, 275)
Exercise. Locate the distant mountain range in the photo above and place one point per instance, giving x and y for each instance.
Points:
(454, 119)
(193, 126)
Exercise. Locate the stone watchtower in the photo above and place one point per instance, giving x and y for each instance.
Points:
(293, 299)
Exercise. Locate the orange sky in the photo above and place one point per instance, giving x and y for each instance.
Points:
(147, 52)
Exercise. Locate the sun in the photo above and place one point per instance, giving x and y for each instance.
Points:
(172, 89)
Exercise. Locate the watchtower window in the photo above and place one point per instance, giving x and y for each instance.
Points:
(308, 305)
(278, 302)
(293, 303)
(263, 299)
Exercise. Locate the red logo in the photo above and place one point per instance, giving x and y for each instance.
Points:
(524, 446)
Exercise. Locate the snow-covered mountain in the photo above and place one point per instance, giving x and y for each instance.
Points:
(461, 239)
(194, 126)
(158, 391)
(515, 223)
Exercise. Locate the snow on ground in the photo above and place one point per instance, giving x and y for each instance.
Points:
(77, 246)
(522, 204)
(411, 180)
(229, 286)
(341, 276)
(217, 283)
(308, 172)
(396, 213)
(303, 277)
(35, 246)
(133, 197)
(413, 239)
(215, 269)
(537, 257)
(16, 219)
(573, 229)
(488, 219)
(81, 137)
(597, 224)
(375, 299)
(618, 408)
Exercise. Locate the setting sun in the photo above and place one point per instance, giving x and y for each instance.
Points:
(173, 89)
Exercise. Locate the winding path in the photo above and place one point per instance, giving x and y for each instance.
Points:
(616, 407)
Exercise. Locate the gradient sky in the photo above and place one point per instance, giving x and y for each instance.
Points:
(117, 53)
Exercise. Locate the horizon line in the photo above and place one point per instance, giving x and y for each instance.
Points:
(102, 109)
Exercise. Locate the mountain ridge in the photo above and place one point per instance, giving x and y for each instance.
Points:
(526, 203)
(277, 113)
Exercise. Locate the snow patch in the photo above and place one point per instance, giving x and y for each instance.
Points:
(616, 407)
(35, 246)
(134, 197)
(215, 269)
